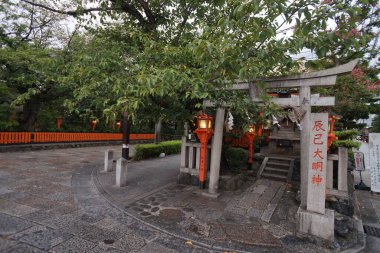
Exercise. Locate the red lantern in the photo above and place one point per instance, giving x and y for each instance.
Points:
(204, 133)
(331, 135)
(58, 122)
(118, 124)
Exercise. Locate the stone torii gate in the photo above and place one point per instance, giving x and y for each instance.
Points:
(313, 217)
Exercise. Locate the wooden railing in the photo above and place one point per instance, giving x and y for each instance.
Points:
(191, 155)
(15, 137)
(43, 137)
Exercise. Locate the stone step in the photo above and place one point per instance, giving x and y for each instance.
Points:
(282, 158)
(278, 164)
(276, 170)
(274, 176)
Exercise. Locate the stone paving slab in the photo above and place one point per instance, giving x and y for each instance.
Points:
(41, 237)
(15, 209)
(10, 224)
(267, 214)
(20, 247)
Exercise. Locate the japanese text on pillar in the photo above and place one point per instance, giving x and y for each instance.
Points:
(317, 157)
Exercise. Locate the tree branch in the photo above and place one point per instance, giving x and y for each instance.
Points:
(147, 11)
(30, 25)
(72, 13)
(134, 12)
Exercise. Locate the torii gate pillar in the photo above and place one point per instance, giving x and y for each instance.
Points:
(304, 94)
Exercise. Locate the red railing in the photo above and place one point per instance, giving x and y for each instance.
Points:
(43, 137)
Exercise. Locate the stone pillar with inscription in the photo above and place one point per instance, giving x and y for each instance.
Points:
(316, 219)
(374, 161)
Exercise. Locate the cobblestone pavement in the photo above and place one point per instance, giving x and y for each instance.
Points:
(48, 203)
(258, 218)
(61, 201)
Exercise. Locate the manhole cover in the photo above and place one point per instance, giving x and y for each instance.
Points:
(374, 231)
(109, 241)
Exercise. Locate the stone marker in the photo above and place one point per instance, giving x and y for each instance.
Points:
(108, 157)
(121, 172)
(316, 189)
(321, 225)
(374, 161)
(316, 219)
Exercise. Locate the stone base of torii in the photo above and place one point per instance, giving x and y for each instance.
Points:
(316, 167)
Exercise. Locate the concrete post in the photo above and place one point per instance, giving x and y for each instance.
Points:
(216, 152)
(304, 139)
(191, 157)
(329, 173)
(108, 160)
(342, 169)
(121, 172)
(183, 152)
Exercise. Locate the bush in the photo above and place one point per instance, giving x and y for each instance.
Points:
(345, 143)
(144, 151)
(346, 134)
(236, 158)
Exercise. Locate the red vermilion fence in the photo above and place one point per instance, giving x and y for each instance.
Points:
(43, 137)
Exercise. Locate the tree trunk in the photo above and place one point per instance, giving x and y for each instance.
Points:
(157, 131)
(30, 111)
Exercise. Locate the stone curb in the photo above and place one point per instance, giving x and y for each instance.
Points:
(61, 145)
(111, 201)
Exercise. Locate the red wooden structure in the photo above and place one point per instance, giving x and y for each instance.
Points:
(43, 137)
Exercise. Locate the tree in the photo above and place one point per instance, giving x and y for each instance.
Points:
(193, 50)
(30, 65)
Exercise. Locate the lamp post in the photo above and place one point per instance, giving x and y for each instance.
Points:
(204, 133)
(126, 130)
(251, 136)
(59, 122)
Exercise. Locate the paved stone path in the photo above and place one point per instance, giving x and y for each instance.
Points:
(49, 203)
(61, 201)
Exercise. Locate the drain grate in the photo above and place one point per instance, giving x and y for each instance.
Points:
(374, 231)
(108, 241)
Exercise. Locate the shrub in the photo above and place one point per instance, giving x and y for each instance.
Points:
(144, 151)
(345, 143)
(236, 158)
(346, 134)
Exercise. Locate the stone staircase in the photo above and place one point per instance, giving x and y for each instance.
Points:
(277, 168)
